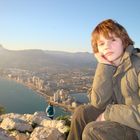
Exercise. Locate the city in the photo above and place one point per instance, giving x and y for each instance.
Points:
(54, 87)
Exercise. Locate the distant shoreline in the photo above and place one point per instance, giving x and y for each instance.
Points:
(46, 97)
(30, 87)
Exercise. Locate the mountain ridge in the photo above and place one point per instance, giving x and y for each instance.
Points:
(37, 59)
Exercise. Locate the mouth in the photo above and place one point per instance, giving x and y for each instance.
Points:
(108, 53)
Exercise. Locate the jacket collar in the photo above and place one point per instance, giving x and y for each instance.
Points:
(125, 63)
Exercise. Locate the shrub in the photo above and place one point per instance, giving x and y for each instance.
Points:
(65, 118)
(2, 110)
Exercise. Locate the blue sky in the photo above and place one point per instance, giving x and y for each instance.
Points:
(63, 25)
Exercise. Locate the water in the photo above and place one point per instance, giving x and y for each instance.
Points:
(80, 97)
(17, 98)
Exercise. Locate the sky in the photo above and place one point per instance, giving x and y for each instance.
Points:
(62, 25)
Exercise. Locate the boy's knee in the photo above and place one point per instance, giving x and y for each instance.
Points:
(86, 112)
(90, 132)
(86, 131)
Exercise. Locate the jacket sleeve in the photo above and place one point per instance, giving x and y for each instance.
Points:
(124, 114)
(102, 88)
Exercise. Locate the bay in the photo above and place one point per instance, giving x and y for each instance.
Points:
(17, 98)
(81, 97)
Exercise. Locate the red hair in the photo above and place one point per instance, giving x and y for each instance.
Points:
(106, 28)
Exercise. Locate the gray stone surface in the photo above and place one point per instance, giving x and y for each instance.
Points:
(31, 127)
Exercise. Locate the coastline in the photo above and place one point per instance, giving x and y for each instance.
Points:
(45, 96)
(32, 87)
(65, 107)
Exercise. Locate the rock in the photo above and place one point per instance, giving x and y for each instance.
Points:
(21, 136)
(52, 123)
(64, 129)
(58, 124)
(11, 115)
(41, 113)
(46, 133)
(35, 126)
(27, 117)
(38, 117)
(5, 136)
(12, 124)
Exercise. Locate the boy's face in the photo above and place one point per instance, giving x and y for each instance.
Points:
(112, 49)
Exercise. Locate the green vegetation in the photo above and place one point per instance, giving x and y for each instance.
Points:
(2, 110)
(65, 118)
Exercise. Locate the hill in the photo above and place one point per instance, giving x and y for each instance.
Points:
(40, 60)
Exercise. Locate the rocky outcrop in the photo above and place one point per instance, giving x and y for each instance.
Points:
(31, 127)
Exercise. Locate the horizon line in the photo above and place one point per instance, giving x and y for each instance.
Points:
(65, 51)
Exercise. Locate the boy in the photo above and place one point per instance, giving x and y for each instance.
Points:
(114, 113)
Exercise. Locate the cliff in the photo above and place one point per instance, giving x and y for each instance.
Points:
(31, 127)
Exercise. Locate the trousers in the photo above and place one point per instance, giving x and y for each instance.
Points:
(85, 127)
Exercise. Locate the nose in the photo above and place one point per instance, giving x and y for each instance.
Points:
(107, 45)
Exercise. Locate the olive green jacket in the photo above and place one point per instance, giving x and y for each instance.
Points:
(117, 90)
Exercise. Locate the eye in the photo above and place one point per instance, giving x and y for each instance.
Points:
(100, 43)
(113, 39)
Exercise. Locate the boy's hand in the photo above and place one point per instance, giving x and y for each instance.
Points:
(100, 117)
(102, 59)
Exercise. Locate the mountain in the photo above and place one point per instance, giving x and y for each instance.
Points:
(2, 49)
(45, 60)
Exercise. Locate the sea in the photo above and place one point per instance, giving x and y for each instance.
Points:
(17, 98)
